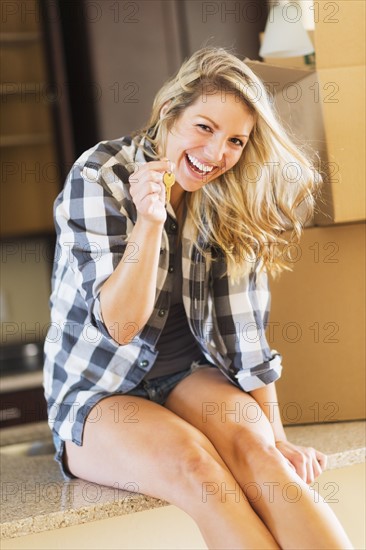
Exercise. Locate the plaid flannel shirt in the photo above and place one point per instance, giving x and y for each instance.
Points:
(94, 216)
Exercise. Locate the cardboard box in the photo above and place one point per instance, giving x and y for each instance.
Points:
(317, 318)
(325, 109)
(317, 323)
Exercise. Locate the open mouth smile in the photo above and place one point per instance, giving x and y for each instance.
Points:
(198, 167)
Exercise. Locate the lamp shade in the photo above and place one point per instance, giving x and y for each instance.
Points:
(285, 35)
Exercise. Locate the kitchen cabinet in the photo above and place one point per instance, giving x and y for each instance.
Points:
(29, 161)
(22, 406)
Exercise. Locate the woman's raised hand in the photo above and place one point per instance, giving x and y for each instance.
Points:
(148, 190)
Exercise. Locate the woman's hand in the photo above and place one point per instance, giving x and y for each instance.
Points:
(306, 461)
(148, 191)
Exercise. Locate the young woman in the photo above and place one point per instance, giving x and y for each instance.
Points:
(157, 368)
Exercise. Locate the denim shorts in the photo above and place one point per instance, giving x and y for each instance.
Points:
(155, 389)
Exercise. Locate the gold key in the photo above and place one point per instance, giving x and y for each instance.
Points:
(169, 181)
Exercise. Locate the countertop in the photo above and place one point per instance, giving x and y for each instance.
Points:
(35, 497)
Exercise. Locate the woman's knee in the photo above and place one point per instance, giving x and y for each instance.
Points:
(195, 463)
(254, 448)
(254, 433)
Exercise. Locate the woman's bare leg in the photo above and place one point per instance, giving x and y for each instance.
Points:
(165, 457)
(224, 413)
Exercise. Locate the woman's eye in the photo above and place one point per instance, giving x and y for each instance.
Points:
(238, 141)
(204, 127)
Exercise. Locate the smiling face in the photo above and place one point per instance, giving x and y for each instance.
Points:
(207, 140)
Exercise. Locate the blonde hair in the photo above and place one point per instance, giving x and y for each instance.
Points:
(272, 188)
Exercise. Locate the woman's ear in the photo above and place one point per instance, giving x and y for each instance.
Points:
(164, 108)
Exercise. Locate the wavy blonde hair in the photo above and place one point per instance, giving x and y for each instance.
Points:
(272, 188)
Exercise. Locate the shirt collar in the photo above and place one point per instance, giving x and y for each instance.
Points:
(149, 154)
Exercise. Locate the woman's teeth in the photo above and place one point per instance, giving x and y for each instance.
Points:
(203, 168)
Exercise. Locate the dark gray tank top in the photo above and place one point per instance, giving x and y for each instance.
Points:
(177, 346)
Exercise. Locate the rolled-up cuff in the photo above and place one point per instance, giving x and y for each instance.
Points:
(97, 320)
(261, 375)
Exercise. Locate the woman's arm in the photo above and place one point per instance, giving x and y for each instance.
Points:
(127, 297)
(267, 400)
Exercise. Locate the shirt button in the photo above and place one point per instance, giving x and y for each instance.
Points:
(144, 363)
(161, 312)
(171, 269)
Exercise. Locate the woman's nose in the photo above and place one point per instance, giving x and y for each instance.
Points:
(215, 150)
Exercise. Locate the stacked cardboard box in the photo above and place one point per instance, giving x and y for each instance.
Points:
(317, 318)
(325, 108)
(340, 54)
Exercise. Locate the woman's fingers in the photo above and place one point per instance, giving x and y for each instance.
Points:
(150, 186)
(159, 166)
(148, 190)
(307, 461)
(141, 180)
(313, 465)
(322, 459)
(152, 192)
(309, 471)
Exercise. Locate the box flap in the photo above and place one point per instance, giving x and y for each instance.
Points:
(277, 76)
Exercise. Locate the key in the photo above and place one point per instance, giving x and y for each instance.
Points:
(169, 181)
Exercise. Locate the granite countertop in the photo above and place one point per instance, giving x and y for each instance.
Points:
(36, 498)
